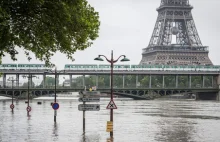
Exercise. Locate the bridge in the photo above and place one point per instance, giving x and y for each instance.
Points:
(135, 93)
(163, 82)
(107, 72)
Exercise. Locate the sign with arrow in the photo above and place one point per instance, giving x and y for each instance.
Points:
(88, 107)
(89, 99)
(111, 105)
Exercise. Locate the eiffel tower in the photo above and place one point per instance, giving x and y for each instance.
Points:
(175, 40)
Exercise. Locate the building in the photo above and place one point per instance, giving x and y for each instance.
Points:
(175, 40)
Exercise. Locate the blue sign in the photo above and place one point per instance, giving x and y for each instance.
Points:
(55, 106)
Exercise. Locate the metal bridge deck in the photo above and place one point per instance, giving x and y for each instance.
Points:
(106, 72)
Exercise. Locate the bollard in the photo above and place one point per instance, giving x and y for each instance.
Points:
(51, 104)
(26, 102)
(39, 103)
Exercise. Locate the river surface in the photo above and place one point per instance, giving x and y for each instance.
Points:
(134, 121)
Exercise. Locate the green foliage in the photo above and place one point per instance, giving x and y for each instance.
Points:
(78, 82)
(25, 84)
(117, 81)
(156, 81)
(46, 26)
(145, 81)
(50, 81)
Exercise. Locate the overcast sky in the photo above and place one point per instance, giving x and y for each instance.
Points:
(126, 28)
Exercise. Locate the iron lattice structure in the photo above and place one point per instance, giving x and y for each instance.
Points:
(175, 39)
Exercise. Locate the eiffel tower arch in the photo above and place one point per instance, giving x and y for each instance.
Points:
(175, 40)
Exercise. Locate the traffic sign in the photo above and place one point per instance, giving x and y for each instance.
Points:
(12, 106)
(109, 127)
(109, 130)
(88, 107)
(109, 123)
(55, 106)
(89, 99)
(28, 108)
(111, 105)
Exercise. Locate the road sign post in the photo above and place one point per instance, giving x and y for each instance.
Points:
(84, 119)
(88, 97)
(28, 109)
(12, 106)
(55, 106)
(111, 105)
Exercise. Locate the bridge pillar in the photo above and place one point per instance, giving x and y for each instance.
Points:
(83, 79)
(218, 96)
(163, 81)
(203, 81)
(218, 83)
(123, 81)
(136, 81)
(190, 81)
(97, 81)
(177, 81)
(150, 81)
(44, 80)
(212, 79)
(71, 80)
(30, 80)
(171, 92)
(4, 80)
(17, 78)
(57, 79)
(197, 96)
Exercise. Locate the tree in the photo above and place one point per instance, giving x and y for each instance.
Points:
(50, 81)
(46, 26)
(145, 81)
(25, 84)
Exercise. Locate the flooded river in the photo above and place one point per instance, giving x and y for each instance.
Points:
(134, 121)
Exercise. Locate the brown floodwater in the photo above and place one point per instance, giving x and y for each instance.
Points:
(134, 121)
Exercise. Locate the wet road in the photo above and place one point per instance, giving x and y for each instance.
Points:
(134, 121)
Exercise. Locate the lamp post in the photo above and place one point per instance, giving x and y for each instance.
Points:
(12, 86)
(111, 61)
(28, 104)
(55, 88)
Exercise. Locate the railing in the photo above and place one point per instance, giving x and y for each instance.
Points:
(175, 48)
(162, 70)
(118, 88)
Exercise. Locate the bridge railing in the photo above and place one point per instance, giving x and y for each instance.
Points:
(108, 88)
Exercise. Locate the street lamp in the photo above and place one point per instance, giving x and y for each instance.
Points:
(12, 86)
(29, 77)
(55, 88)
(111, 61)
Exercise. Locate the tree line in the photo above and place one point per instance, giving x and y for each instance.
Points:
(142, 81)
